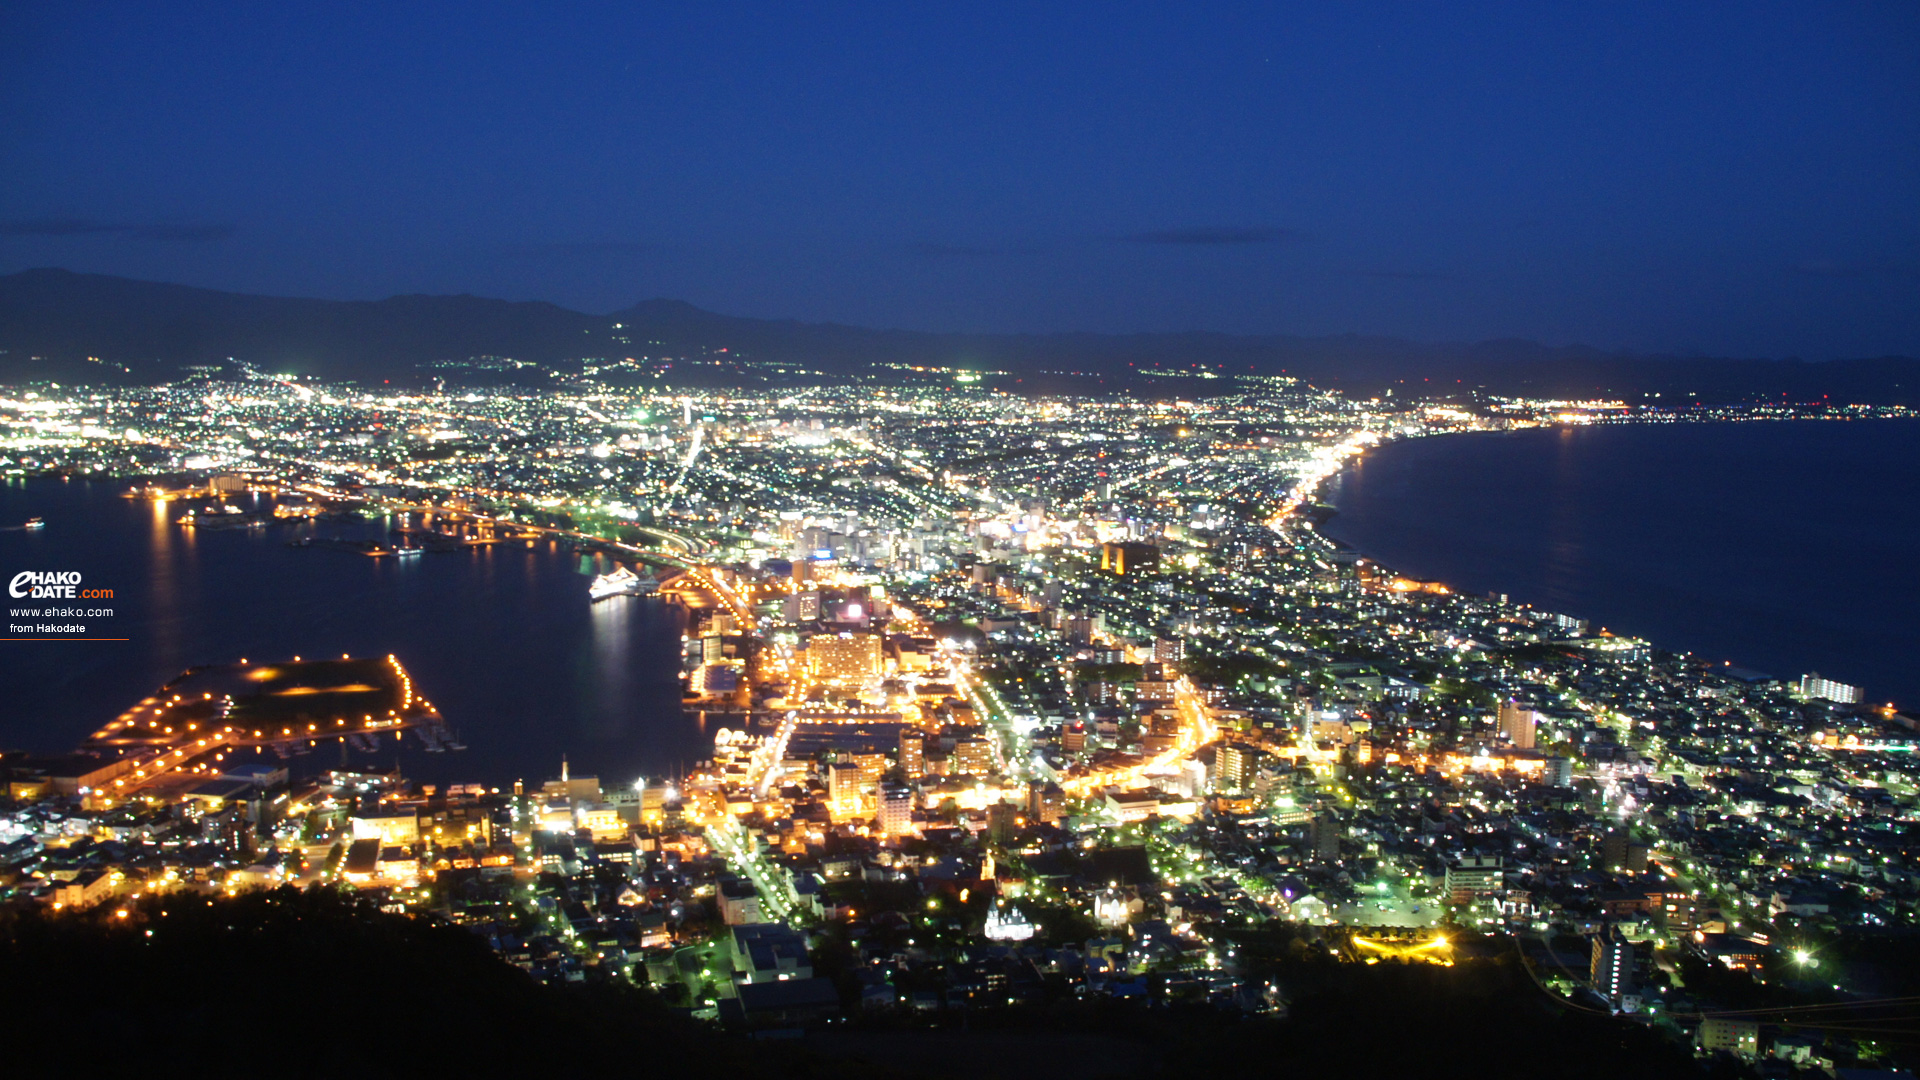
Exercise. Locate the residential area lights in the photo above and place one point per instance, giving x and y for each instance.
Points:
(1068, 661)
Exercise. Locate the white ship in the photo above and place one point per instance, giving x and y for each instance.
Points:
(34, 523)
(621, 582)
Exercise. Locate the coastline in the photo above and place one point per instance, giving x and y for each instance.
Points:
(1562, 557)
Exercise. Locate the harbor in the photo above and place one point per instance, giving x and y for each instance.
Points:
(522, 662)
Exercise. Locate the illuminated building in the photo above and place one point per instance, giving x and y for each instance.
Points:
(1737, 1037)
(973, 756)
(1111, 907)
(1610, 970)
(653, 803)
(1680, 911)
(361, 864)
(1129, 558)
(1046, 803)
(844, 658)
(802, 606)
(86, 889)
(739, 903)
(1474, 876)
(1073, 737)
(913, 750)
(1128, 807)
(388, 828)
(1815, 686)
(1517, 725)
(603, 821)
(843, 784)
(853, 783)
(1007, 924)
(896, 810)
(1232, 765)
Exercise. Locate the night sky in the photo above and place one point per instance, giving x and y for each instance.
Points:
(1739, 178)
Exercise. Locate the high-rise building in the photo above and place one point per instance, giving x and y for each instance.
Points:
(1560, 772)
(1326, 837)
(1232, 765)
(913, 753)
(896, 809)
(843, 784)
(1003, 822)
(1611, 968)
(1517, 725)
(1815, 686)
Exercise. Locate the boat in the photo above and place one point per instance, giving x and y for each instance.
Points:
(409, 552)
(35, 523)
(621, 582)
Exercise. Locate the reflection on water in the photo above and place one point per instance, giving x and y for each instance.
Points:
(610, 646)
(1784, 547)
(503, 639)
(1564, 564)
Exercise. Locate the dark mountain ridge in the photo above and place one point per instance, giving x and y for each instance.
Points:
(52, 321)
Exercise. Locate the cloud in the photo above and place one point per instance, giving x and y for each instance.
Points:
(66, 227)
(1218, 235)
(185, 234)
(57, 227)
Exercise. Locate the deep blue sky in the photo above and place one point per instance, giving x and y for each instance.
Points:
(1739, 178)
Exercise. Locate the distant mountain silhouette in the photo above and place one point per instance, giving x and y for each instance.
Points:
(53, 321)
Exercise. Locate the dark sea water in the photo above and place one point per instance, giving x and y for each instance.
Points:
(1785, 547)
(501, 639)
